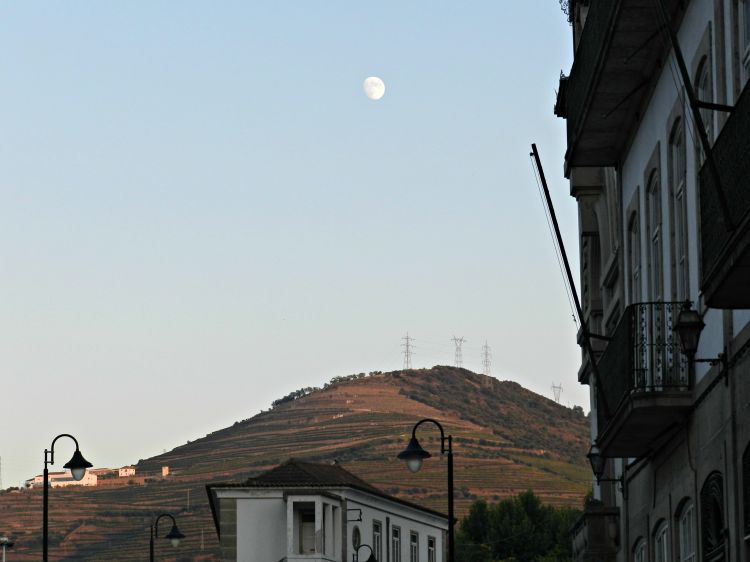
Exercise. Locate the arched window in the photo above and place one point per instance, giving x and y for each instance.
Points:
(686, 532)
(639, 551)
(634, 259)
(712, 518)
(661, 542)
(679, 211)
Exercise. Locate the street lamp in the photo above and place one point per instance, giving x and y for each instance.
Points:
(689, 326)
(5, 542)
(173, 535)
(77, 465)
(414, 455)
(355, 555)
(598, 461)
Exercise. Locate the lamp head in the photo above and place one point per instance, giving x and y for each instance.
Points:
(414, 454)
(597, 461)
(174, 536)
(689, 326)
(77, 465)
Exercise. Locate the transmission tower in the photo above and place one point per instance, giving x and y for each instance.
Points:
(407, 345)
(459, 355)
(557, 390)
(487, 359)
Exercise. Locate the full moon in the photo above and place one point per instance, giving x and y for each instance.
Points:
(374, 88)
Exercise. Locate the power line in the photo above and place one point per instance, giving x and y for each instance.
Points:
(459, 359)
(487, 359)
(407, 345)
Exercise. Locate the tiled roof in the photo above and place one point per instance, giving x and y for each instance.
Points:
(299, 474)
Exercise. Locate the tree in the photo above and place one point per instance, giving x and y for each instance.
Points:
(520, 528)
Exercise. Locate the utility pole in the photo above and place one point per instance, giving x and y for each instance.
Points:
(459, 359)
(486, 359)
(1, 473)
(557, 390)
(407, 345)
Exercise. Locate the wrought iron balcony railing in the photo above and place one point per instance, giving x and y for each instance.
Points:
(641, 366)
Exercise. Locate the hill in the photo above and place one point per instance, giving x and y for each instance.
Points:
(506, 440)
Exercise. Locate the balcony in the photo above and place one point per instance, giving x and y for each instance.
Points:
(725, 275)
(615, 63)
(646, 387)
(596, 533)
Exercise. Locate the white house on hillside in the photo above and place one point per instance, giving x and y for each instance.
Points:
(320, 513)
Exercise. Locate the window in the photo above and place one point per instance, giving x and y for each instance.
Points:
(639, 551)
(712, 518)
(634, 258)
(687, 534)
(306, 512)
(704, 92)
(413, 547)
(745, 36)
(431, 549)
(661, 543)
(679, 212)
(653, 202)
(377, 540)
(396, 545)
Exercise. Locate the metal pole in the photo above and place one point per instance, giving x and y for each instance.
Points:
(151, 544)
(451, 521)
(586, 338)
(45, 510)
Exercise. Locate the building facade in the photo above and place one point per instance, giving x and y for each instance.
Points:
(320, 512)
(61, 480)
(658, 121)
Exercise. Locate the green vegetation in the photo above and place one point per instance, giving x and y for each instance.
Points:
(519, 528)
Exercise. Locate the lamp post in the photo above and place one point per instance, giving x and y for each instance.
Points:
(173, 535)
(5, 542)
(414, 455)
(355, 555)
(77, 465)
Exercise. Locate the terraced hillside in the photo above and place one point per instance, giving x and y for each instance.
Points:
(506, 440)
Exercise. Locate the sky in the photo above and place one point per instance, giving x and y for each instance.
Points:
(202, 211)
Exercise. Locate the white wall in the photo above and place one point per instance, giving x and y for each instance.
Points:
(261, 529)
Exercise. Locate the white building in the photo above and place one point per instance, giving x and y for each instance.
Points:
(62, 480)
(320, 512)
(654, 234)
(126, 471)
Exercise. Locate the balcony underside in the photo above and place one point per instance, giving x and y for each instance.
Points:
(616, 64)
(641, 420)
